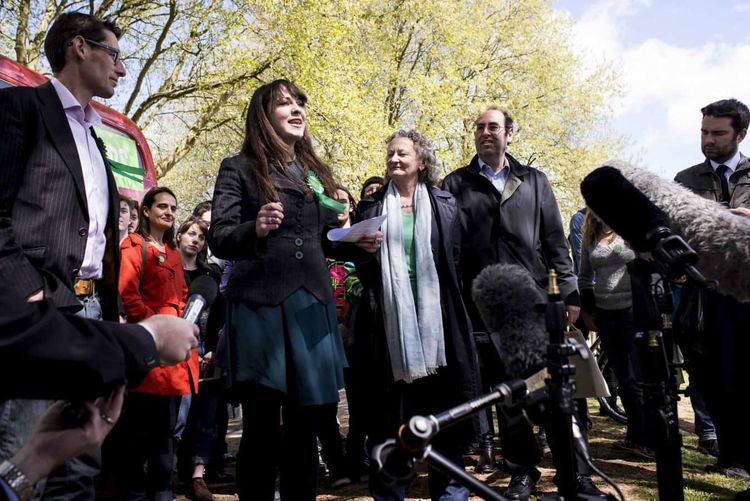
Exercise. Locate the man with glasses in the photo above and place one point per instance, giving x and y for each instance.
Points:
(59, 205)
(509, 215)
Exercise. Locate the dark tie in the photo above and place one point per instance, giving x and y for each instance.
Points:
(721, 170)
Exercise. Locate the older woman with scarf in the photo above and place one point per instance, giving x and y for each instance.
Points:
(420, 352)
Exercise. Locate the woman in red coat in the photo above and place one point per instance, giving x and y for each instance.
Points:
(152, 281)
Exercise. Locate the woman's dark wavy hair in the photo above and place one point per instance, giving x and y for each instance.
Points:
(263, 147)
(184, 227)
(144, 225)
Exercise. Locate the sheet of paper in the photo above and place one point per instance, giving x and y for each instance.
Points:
(357, 231)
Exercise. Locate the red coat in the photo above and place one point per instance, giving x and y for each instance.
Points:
(163, 291)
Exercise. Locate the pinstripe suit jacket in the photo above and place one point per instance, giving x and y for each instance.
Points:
(43, 210)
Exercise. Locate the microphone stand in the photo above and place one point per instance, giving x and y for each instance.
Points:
(652, 306)
(561, 388)
(397, 458)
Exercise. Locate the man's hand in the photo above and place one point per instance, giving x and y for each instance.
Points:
(573, 312)
(741, 211)
(174, 337)
(35, 296)
(51, 444)
(589, 320)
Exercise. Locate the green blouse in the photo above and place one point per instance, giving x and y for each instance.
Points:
(410, 251)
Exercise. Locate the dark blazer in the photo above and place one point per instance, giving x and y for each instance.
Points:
(723, 339)
(86, 357)
(520, 226)
(267, 270)
(369, 331)
(703, 180)
(43, 210)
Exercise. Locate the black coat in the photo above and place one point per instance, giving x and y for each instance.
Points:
(51, 355)
(520, 226)
(461, 372)
(44, 215)
(267, 270)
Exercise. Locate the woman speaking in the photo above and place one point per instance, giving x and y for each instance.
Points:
(273, 205)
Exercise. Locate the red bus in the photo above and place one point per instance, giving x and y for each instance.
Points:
(128, 153)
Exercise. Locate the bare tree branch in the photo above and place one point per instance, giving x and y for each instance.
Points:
(191, 88)
(201, 126)
(155, 54)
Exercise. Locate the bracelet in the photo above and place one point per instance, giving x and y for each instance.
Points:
(16, 480)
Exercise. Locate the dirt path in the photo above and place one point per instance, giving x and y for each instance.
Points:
(635, 476)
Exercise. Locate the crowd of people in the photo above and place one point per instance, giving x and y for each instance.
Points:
(389, 317)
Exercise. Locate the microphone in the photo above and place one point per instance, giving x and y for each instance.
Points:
(201, 295)
(622, 206)
(396, 458)
(511, 305)
(634, 199)
(631, 214)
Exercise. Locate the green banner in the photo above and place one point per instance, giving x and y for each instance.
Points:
(122, 154)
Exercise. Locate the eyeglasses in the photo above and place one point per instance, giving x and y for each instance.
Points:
(492, 127)
(115, 53)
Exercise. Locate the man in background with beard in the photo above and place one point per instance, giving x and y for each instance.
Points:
(716, 358)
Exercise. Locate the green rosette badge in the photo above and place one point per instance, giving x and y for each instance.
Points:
(314, 183)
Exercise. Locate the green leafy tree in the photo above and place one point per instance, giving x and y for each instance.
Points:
(368, 66)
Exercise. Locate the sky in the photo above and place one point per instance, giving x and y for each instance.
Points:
(673, 57)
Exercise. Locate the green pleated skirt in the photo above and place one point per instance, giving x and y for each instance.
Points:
(294, 348)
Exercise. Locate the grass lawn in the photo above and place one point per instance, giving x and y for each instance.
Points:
(635, 476)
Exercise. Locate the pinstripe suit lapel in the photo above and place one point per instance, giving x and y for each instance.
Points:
(59, 131)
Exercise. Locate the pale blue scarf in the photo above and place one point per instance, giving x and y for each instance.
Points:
(414, 332)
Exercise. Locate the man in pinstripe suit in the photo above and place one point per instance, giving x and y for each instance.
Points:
(58, 205)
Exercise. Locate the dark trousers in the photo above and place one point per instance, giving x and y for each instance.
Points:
(222, 425)
(140, 452)
(519, 446)
(331, 442)
(197, 441)
(423, 397)
(517, 441)
(721, 375)
(357, 400)
(560, 448)
(264, 447)
(618, 341)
